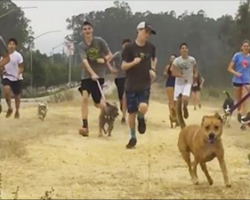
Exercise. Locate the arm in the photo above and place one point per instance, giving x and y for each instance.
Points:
(175, 71)
(232, 65)
(106, 50)
(202, 82)
(166, 70)
(20, 65)
(154, 59)
(127, 61)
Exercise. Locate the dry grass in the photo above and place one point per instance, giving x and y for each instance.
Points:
(39, 155)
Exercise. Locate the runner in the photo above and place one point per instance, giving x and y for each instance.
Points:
(139, 64)
(240, 68)
(3, 61)
(184, 68)
(12, 78)
(196, 90)
(120, 79)
(94, 53)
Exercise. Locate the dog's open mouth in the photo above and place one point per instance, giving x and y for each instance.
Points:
(211, 138)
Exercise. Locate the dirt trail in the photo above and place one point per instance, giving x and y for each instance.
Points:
(39, 155)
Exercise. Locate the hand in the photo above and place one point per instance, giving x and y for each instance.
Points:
(137, 60)
(100, 60)
(94, 77)
(114, 71)
(238, 74)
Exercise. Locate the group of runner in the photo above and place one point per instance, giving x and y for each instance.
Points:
(135, 69)
(11, 68)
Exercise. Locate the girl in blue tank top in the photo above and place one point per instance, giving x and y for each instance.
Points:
(240, 68)
(170, 82)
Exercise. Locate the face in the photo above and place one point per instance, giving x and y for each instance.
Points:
(12, 46)
(184, 50)
(87, 30)
(172, 58)
(245, 47)
(144, 34)
(112, 110)
(212, 126)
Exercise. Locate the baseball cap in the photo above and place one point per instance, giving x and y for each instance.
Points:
(145, 25)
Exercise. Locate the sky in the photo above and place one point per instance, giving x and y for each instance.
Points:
(48, 16)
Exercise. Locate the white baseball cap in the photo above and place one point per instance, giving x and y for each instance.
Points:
(145, 25)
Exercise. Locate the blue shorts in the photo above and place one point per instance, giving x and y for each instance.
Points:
(135, 98)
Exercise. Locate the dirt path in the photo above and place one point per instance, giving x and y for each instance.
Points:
(37, 156)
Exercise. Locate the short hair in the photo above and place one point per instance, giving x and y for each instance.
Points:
(86, 23)
(13, 40)
(126, 41)
(183, 44)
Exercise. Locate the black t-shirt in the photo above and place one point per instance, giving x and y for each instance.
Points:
(137, 77)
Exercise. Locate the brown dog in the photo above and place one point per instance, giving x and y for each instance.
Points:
(173, 119)
(108, 116)
(204, 142)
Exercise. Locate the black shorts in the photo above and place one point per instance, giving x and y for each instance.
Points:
(135, 98)
(196, 89)
(120, 84)
(92, 88)
(239, 84)
(16, 86)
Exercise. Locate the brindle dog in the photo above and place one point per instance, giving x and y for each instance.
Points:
(108, 116)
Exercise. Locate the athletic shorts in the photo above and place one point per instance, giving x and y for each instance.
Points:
(92, 88)
(196, 89)
(135, 98)
(120, 84)
(185, 90)
(240, 84)
(16, 86)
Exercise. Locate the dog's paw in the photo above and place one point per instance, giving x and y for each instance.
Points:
(211, 182)
(195, 181)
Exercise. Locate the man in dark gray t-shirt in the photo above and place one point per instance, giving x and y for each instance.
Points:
(120, 79)
(95, 54)
(138, 58)
(4, 59)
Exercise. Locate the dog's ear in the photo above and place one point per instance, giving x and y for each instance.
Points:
(108, 104)
(203, 120)
(217, 115)
(115, 103)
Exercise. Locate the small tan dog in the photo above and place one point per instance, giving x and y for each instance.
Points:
(204, 142)
(173, 119)
(42, 111)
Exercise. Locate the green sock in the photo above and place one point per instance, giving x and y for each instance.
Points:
(140, 115)
(133, 133)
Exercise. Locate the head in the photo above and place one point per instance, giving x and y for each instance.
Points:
(87, 29)
(212, 126)
(172, 57)
(144, 31)
(125, 42)
(184, 49)
(112, 109)
(245, 47)
(12, 44)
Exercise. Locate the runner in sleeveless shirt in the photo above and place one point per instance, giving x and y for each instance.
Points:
(170, 84)
(196, 90)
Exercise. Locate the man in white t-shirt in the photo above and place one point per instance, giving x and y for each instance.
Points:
(184, 68)
(12, 78)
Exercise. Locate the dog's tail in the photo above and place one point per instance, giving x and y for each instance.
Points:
(179, 112)
(225, 92)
